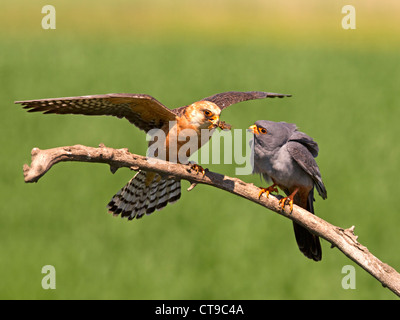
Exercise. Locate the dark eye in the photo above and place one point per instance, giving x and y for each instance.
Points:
(207, 113)
(262, 130)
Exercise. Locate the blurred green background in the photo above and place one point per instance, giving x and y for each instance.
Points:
(210, 244)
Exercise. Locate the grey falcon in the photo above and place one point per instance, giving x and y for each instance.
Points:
(286, 156)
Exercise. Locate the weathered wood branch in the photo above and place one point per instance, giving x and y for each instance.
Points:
(343, 239)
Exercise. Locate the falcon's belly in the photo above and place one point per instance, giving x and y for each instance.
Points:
(184, 139)
(281, 168)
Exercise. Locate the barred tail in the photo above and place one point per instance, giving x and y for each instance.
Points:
(143, 194)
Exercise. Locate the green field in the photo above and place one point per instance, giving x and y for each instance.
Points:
(210, 244)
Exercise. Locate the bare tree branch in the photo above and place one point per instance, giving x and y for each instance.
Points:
(343, 239)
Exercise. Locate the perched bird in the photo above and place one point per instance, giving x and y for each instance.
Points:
(286, 156)
(148, 191)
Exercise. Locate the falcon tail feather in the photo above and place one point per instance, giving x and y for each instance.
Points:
(141, 196)
(308, 243)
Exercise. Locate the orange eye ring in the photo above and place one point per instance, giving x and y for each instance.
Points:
(207, 113)
(262, 130)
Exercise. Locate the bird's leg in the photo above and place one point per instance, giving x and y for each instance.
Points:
(283, 201)
(268, 190)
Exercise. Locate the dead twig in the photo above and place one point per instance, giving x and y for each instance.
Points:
(343, 239)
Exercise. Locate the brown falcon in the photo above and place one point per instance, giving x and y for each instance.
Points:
(148, 191)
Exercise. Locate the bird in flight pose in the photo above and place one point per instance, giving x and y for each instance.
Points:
(286, 156)
(148, 191)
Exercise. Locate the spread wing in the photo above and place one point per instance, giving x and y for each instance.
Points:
(302, 155)
(225, 99)
(142, 110)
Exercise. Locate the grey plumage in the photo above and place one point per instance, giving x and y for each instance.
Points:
(287, 157)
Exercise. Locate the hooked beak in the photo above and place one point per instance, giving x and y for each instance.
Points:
(214, 122)
(253, 129)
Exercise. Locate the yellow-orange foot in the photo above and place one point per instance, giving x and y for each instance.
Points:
(288, 199)
(268, 190)
(282, 203)
(198, 168)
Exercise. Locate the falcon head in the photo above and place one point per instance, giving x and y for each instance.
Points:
(270, 135)
(203, 115)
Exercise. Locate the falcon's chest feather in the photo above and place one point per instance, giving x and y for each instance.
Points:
(273, 162)
(182, 140)
(276, 164)
(279, 165)
(193, 131)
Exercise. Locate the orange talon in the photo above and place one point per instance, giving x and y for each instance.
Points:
(283, 201)
(262, 190)
(268, 190)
